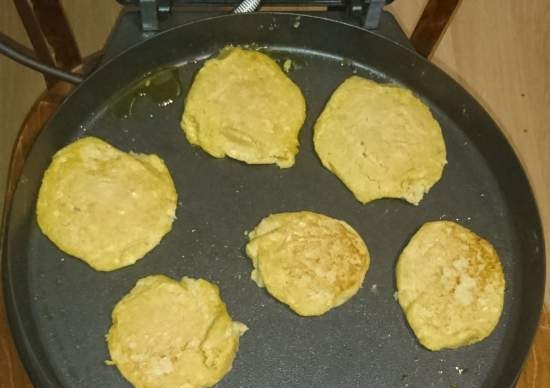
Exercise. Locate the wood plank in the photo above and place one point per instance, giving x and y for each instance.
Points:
(500, 52)
(536, 371)
(407, 13)
(11, 370)
(57, 32)
(432, 24)
(39, 43)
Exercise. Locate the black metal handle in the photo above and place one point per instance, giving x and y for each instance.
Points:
(331, 3)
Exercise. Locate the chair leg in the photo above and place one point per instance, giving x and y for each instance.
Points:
(49, 33)
(37, 117)
(432, 24)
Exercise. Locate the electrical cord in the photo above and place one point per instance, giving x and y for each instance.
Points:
(245, 6)
(32, 63)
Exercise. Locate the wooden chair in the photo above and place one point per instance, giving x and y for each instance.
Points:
(54, 44)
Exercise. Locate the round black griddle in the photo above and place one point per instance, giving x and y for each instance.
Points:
(59, 308)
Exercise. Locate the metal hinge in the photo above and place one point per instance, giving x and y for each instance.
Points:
(151, 10)
(368, 12)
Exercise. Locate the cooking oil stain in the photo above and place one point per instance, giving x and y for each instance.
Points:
(350, 64)
(161, 87)
(287, 61)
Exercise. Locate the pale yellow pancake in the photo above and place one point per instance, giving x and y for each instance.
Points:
(380, 140)
(169, 334)
(450, 285)
(309, 261)
(242, 105)
(105, 206)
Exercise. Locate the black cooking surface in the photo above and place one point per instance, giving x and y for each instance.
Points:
(128, 31)
(61, 308)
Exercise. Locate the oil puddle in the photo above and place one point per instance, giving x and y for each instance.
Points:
(161, 87)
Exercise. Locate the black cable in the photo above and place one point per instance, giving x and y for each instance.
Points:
(28, 61)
